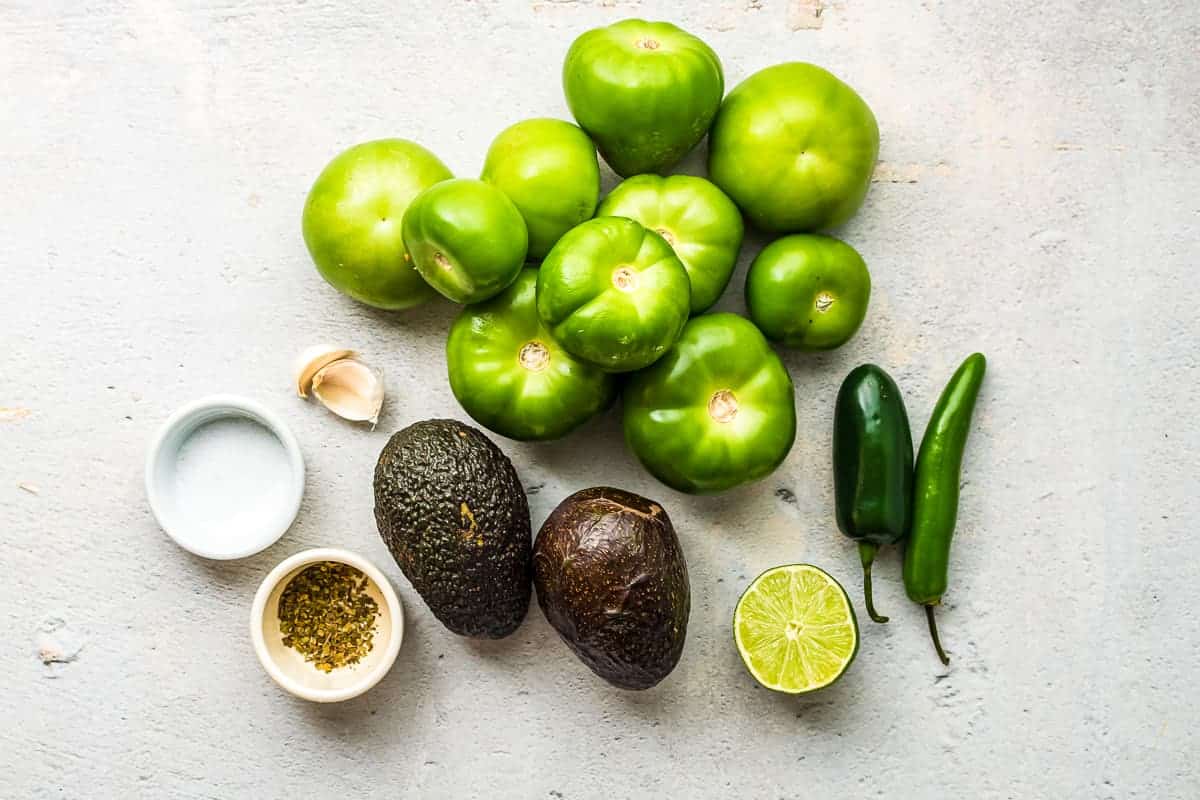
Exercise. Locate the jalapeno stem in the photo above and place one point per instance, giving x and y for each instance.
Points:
(937, 643)
(866, 552)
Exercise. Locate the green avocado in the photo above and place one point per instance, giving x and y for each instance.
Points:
(611, 579)
(451, 510)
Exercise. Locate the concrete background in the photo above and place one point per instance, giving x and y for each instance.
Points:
(1037, 198)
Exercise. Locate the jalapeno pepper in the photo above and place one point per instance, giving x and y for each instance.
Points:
(872, 466)
(935, 496)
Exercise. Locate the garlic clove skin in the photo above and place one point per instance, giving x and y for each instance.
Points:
(313, 360)
(350, 389)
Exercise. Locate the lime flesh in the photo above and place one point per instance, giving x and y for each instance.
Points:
(795, 629)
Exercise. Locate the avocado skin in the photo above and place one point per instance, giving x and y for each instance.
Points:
(475, 575)
(611, 579)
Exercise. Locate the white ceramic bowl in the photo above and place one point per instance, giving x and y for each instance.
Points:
(289, 669)
(224, 477)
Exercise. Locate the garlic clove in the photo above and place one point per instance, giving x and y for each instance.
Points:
(312, 360)
(350, 389)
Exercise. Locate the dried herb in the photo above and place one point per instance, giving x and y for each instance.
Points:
(326, 615)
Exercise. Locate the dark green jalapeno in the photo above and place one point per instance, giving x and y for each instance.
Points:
(935, 497)
(872, 466)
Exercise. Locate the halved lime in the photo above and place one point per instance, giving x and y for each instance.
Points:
(795, 629)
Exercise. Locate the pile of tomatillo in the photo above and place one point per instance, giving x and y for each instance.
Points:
(570, 299)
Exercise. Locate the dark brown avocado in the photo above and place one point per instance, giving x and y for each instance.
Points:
(611, 579)
(451, 509)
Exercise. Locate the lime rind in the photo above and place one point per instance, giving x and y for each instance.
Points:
(795, 629)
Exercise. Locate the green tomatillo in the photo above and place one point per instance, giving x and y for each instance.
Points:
(697, 219)
(646, 92)
(466, 238)
(716, 411)
(353, 215)
(510, 375)
(795, 148)
(548, 168)
(808, 291)
(613, 293)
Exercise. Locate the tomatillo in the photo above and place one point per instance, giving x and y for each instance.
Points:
(646, 92)
(548, 168)
(467, 239)
(613, 293)
(808, 291)
(697, 219)
(510, 375)
(716, 411)
(352, 221)
(795, 148)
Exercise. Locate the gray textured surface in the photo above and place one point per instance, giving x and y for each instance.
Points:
(1037, 199)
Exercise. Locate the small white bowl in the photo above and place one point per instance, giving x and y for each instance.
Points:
(289, 669)
(224, 477)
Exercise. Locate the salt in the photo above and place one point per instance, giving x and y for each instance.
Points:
(231, 476)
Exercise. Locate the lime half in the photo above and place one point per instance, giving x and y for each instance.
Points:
(795, 629)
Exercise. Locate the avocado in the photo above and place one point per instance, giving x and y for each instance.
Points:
(451, 510)
(611, 579)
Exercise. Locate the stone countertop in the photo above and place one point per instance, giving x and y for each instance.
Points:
(1036, 199)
